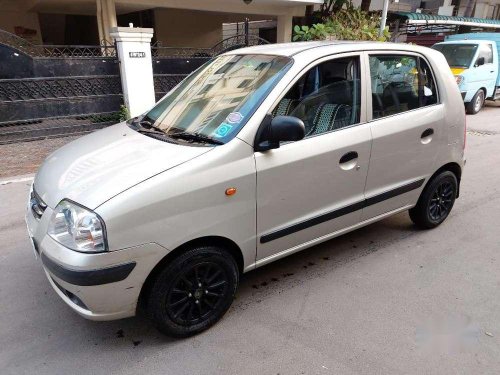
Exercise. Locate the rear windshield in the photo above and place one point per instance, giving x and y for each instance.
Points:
(457, 55)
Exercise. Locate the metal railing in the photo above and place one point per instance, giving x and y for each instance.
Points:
(234, 42)
(104, 49)
(25, 89)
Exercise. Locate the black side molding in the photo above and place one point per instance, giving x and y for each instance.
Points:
(91, 277)
(341, 211)
(393, 193)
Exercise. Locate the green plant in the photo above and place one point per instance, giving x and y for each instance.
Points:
(318, 31)
(353, 23)
(124, 113)
(347, 23)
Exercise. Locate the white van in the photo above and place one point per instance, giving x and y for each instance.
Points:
(260, 153)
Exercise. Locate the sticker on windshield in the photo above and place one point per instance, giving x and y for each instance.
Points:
(234, 117)
(223, 130)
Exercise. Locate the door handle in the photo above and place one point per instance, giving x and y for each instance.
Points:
(427, 133)
(351, 155)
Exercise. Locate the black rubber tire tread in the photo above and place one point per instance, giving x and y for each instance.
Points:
(158, 293)
(469, 107)
(420, 213)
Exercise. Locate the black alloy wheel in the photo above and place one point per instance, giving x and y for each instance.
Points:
(436, 201)
(197, 293)
(441, 201)
(193, 291)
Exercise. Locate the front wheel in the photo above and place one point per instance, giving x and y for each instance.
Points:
(193, 292)
(436, 201)
(477, 102)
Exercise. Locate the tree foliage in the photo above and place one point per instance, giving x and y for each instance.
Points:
(347, 23)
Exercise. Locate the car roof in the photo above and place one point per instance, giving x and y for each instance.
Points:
(326, 47)
(465, 41)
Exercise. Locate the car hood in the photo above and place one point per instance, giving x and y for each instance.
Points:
(95, 168)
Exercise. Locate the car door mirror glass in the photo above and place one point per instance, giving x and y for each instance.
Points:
(480, 61)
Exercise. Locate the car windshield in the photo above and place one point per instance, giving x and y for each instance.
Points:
(457, 55)
(215, 102)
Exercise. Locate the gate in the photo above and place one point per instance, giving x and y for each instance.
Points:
(48, 91)
(52, 91)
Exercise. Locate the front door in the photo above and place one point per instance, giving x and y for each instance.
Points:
(485, 75)
(310, 188)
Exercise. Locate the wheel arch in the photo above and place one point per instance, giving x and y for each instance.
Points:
(452, 167)
(218, 241)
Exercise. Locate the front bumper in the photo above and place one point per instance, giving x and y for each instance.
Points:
(101, 286)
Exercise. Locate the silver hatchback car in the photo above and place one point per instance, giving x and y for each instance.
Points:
(260, 153)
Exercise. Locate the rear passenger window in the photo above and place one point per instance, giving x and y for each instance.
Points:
(400, 83)
(326, 98)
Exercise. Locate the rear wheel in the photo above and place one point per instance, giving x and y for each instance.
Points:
(436, 201)
(193, 292)
(477, 102)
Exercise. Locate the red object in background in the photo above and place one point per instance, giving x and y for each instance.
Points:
(426, 40)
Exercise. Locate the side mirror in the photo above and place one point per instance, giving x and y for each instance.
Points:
(279, 129)
(480, 61)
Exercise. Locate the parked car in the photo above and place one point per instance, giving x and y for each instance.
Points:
(260, 153)
(474, 59)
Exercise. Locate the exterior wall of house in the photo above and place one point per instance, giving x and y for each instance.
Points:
(484, 8)
(254, 27)
(23, 24)
(191, 28)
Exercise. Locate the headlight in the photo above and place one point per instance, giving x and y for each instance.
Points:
(459, 80)
(77, 228)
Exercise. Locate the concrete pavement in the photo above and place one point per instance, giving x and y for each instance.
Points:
(386, 299)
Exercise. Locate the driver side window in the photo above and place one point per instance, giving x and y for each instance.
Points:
(326, 98)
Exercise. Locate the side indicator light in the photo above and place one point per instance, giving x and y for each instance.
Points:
(230, 191)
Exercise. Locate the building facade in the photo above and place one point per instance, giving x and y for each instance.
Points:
(194, 23)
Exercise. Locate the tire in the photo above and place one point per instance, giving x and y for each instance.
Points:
(179, 306)
(477, 102)
(436, 201)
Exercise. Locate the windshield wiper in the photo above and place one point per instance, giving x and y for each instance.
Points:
(197, 137)
(148, 125)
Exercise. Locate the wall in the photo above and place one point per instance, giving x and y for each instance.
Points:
(10, 20)
(53, 28)
(190, 28)
(402, 5)
(231, 29)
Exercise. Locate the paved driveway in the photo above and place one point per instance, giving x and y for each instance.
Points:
(386, 299)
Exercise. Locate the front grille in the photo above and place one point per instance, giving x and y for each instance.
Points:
(38, 206)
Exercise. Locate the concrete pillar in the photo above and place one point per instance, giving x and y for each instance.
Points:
(106, 18)
(284, 28)
(136, 70)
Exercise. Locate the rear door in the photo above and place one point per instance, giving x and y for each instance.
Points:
(406, 123)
